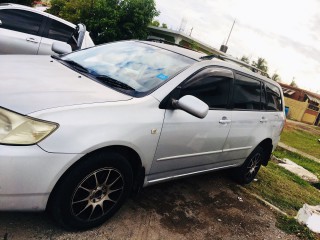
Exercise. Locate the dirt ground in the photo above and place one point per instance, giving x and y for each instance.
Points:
(302, 126)
(200, 207)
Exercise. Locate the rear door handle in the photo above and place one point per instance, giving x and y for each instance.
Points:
(32, 40)
(263, 120)
(223, 121)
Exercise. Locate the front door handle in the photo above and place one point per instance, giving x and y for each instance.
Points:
(32, 40)
(224, 120)
(263, 120)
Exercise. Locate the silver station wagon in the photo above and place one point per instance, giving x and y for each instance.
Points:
(81, 131)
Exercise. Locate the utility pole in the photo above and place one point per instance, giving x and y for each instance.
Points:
(191, 31)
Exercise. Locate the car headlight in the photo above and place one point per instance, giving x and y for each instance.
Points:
(16, 129)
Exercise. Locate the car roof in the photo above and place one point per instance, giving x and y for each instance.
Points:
(179, 50)
(214, 61)
(241, 69)
(30, 9)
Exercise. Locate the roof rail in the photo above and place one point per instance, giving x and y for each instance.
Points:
(241, 63)
(167, 42)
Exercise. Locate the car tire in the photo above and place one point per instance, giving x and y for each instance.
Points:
(92, 191)
(248, 171)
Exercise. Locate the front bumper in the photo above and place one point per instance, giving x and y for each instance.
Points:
(28, 175)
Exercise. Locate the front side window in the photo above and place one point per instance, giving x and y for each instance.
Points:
(21, 21)
(247, 93)
(213, 90)
(274, 101)
(59, 31)
(133, 66)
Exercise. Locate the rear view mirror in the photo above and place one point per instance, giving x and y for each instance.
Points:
(61, 48)
(192, 105)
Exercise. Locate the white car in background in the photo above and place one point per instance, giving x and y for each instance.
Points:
(26, 30)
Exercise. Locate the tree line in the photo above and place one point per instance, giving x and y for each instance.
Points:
(262, 64)
(113, 20)
(107, 20)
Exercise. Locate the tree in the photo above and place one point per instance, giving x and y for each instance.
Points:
(261, 64)
(164, 25)
(194, 45)
(155, 23)
(245, 59)
(22, 2)
(276, 77)
(293, 83)
(108, 20)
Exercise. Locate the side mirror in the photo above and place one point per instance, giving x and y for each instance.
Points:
(81, 28)
(61, 48)
(0, 22)
(192, 105)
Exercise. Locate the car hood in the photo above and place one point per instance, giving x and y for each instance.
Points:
(33, 83)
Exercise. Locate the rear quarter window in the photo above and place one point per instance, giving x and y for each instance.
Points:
(274, 100)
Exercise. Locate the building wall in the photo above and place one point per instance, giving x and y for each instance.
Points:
(164, 36)
(309, 118)
(296, 108)
(312, 112)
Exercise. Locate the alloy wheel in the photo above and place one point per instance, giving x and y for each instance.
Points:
(97, 194)
(253, 166)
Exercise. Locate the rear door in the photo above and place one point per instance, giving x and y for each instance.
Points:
(250, 124)
(274, 111)
(187, 142)
(20, 31)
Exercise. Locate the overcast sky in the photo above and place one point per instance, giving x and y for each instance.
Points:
(284, 32)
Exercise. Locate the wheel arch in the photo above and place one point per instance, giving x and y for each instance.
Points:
(266, 144)
(130, 154)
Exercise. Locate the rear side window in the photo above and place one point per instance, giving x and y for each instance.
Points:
(274, 102)
(21, 21)
(59, 31)
(213, 90)
(247, 93)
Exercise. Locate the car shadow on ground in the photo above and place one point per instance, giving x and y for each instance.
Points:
(209, 206)
(155, 198)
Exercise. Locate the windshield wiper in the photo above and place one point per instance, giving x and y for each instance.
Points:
(113, 82)
(76, 65)
(55, 57)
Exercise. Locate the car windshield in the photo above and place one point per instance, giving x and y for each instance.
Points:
(131, 66)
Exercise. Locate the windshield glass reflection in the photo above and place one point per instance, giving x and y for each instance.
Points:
(141, 66)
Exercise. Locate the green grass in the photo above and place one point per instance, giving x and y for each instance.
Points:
(284, 189)
(308, 164)
(302, 140)
(291, 226)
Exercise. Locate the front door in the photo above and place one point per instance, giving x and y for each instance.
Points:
(55, 31)
(20, 31)
(186, 141)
